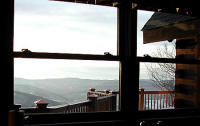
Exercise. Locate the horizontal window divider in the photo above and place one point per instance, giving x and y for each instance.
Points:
(168, 60)
(45, 55)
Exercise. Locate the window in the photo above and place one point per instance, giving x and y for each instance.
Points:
(66, 83)
(132, 63)
(64, 61)
(51, 26)
(168, 53)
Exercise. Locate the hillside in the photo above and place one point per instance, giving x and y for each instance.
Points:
(27, 100)
(63, 90)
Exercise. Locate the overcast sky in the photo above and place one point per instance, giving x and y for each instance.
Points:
(51, 26)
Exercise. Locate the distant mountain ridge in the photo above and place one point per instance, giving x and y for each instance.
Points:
(63, 90)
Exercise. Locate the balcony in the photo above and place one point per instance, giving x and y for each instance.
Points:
(98, 101)
(156, 100)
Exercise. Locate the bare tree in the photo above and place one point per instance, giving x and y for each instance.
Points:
(163, 74)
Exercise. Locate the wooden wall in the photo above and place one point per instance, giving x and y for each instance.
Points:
(187, 75)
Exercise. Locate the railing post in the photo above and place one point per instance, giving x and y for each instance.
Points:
(93, 106)
(114, 100)
(141, 99)
(113, 103)
(91, 91)
(41, 106)
(15, 116)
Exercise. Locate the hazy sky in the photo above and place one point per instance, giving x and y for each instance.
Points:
(49, 26)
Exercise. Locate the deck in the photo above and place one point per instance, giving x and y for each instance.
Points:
(98, 101)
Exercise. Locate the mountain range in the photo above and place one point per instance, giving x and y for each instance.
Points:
(63, 90)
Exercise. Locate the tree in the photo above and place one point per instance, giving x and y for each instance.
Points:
(163, 74)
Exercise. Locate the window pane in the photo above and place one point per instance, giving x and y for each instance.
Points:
(169, 86)
(167, 35)
(157, 86)
(63, 27)
(66, 85)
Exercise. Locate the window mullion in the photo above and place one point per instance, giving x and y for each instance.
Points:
(127, 48)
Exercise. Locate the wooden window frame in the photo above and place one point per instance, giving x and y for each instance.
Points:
(129, 70)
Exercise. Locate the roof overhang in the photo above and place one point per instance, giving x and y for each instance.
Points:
(171, 32)
(180, 29)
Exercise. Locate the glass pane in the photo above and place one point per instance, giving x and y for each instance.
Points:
(66, 85)
(169, 86)
(64, 27)
(157, 86)
(167, 35)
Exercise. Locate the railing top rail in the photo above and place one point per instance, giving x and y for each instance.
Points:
(68, 105)
(158, 92)
(100, 93)
(104, 97)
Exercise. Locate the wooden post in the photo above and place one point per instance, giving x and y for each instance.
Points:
(127, 50)
(93, 106)
(114, 103)
(41, 105)
(91, 91)
(141, 99)
(114, 100)
(7, 61)
(16, 116)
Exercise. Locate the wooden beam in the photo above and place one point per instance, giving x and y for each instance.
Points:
(7, 31)
(149, 5)
(127, 49)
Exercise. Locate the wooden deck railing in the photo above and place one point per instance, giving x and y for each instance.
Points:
(84, 106)
(107, 101)
(96, 101)
(102, 93)
(155, 100)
